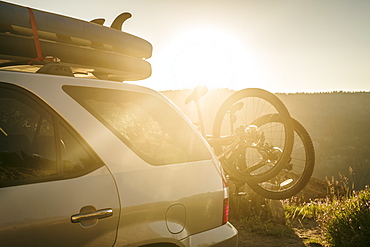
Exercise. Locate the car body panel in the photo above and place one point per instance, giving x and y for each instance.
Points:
(165, 203)
(223, 236)
(40, 213)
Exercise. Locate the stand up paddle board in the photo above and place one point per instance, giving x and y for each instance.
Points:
(27, 34)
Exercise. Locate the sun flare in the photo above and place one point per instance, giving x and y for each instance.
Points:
(207, 57)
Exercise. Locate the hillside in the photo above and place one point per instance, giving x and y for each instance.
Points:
(338, 122)
(339, 127)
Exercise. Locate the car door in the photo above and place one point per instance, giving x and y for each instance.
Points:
(54, 190)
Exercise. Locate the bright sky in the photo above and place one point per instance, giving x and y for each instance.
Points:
(277, 45)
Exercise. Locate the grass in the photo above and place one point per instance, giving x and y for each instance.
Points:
(344, 221)
(343, 216)
(298, 211)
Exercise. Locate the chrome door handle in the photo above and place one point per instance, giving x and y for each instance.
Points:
(102, 213)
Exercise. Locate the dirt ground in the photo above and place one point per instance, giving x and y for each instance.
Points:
(306, 234)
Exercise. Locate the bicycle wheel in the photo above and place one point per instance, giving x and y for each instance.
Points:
(249, 153)
(297, 172)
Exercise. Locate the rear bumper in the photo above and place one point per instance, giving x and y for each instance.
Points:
(223, 236)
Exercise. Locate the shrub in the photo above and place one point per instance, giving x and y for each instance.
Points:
(347, 222)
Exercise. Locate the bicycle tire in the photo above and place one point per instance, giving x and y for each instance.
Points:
(253, 103)
(300, 168)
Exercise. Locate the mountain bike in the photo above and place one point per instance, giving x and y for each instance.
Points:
(253, 137)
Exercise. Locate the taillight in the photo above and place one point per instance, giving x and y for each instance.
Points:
(225, 216)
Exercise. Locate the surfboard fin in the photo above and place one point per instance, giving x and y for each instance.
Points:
(99, 21)
(117, 23)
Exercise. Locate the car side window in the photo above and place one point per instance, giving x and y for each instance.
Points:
(75, 158)
(35, 146)
(145, 123)
(27, 139)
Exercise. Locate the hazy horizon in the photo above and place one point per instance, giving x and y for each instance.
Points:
(298, 92)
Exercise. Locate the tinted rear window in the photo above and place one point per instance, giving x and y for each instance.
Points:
(146, 124)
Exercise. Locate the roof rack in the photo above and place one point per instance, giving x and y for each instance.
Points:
(56, 69)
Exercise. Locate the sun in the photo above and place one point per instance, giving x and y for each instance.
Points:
(208, 57)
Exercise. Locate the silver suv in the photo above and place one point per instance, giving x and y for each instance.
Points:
(101, 163)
